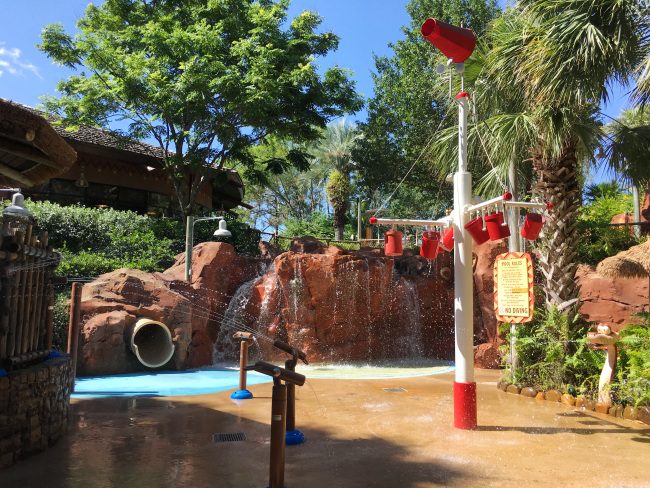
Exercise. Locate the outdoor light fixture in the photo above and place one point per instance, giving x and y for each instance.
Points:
(17, 208)
(222, 231)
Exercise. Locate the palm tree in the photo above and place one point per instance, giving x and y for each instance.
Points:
(335, 151)
(546, 66)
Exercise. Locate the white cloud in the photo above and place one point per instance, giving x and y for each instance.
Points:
(11, 63)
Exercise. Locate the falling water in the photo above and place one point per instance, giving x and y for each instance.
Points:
(225, 347)
(412, 341)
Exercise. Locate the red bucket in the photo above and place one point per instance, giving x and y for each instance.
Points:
(476, 230)
(430, 242)
(496, 228)
(447, 243)
(532, 226)
(393, 243)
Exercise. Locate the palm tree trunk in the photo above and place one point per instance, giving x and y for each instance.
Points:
(339, 222)
(557, 183)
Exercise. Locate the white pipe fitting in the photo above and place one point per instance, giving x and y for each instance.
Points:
(151, 342)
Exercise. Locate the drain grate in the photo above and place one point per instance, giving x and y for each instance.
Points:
(228, 437)
(394, 389)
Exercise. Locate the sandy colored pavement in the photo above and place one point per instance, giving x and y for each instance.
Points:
(358, 435)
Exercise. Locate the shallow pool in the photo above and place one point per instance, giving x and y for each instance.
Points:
(226, 377)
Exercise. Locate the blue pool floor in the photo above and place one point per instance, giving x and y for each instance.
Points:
(163, 383)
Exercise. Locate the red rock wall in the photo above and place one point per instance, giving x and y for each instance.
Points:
(354, 306)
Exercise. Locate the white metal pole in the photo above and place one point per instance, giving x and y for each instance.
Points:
(637, 211)
(464, 385)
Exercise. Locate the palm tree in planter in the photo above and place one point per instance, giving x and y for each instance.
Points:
(335, 150)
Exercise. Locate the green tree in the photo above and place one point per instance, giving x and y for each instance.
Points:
(295, 194)
(204, 79)
(537, 81)
(564, 56)
(407, 106)
(335, 152)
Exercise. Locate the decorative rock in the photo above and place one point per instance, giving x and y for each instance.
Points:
(580, 402)
(502, 385)
(568, 400)
(540, 396)
(513, 389)
(612, 410)
(630, 413)
(610, 300)
(487, 356)
(529, 392)
(643, 414)
(553, 396)
(590, 405)
(602, 408)
(308, 245)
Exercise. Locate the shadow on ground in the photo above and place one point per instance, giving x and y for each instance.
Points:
(158, 442)
(607, 427)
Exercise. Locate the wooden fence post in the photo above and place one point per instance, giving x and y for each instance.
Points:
(73, 326)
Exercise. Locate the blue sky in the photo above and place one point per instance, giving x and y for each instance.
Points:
(365, 27)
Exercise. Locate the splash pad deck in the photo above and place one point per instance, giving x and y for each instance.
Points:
(225, 377)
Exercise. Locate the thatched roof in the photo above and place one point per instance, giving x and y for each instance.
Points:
(633, 263)
(31, 151)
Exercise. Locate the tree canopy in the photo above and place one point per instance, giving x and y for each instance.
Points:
(204, 79)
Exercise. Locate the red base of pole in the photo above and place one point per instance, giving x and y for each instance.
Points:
(465, 405)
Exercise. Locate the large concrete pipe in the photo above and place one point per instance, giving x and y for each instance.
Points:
(151, 342)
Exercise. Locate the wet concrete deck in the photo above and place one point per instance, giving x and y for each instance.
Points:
(359, 435)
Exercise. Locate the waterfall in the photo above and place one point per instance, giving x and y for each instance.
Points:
(225, 347)
(412, 344)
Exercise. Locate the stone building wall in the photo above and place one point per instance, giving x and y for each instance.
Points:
(34, 404)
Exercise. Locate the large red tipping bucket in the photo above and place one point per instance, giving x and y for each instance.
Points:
(430, 242)
(476, 230)
(393, 243)
(496, 227)
(532, 226)
(447, 243)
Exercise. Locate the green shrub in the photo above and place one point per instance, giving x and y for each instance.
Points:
(632, 385)
(82, 228)
(87, 264)
(598, 240)
(140, 250)
(552, 352)
(60, 318)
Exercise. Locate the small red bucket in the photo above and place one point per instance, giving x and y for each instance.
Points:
(476, 230)
(496, 228)
(532, 226)
(447, 243)
(430, 242)
(393, 243)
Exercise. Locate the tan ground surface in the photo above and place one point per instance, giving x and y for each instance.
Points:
(358, 436)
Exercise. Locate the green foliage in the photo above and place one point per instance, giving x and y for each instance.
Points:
(206, 80)
(338, 189)
(87, 264)
(318, 225)
(141, 250)
(61, 318)
(552, 352)
(632, 385)
(75, 227)
(599, 240)
(408, 104)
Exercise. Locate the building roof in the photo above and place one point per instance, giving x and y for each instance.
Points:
(31, 150)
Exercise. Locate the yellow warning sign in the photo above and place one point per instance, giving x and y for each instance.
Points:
(514, 299)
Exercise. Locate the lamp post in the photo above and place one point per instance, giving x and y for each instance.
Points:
(222, 231)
